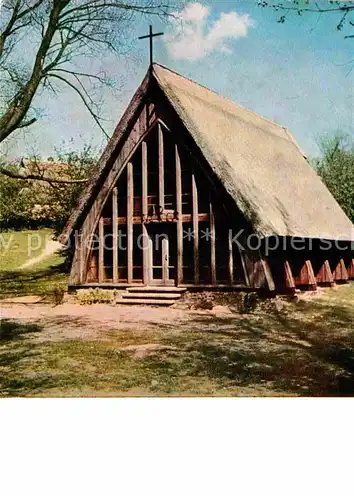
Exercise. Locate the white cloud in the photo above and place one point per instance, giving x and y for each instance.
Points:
(191, 36)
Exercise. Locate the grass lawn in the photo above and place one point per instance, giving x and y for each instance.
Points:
(17, 247)
(305, 349)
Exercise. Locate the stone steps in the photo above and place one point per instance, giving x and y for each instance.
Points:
(158, 289)
(151, 295)
(144, 301)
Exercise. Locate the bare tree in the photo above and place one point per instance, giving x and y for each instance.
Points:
(344, 10)
(63, 32)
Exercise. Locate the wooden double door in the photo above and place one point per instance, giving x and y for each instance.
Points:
(162, 254)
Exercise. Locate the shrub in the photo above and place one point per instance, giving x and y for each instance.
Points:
(96, 296)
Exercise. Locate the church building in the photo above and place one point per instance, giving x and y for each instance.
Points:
(194, 191)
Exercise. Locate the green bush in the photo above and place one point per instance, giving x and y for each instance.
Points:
(96, 296)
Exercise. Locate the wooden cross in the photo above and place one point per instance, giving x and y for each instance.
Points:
(150, 36)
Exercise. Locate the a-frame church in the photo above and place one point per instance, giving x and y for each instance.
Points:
(196, 191)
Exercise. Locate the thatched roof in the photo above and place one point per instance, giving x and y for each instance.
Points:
(257, 160)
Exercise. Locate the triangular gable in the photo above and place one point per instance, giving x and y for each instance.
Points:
(256, 160)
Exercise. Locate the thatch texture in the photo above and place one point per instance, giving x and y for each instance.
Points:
(258, 162)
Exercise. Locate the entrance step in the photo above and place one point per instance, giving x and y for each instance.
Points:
(151, 295)
(158, 289)
(152, 302)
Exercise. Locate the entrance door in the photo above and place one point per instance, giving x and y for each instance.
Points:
(161, 265)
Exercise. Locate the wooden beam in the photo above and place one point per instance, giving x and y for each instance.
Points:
(324, 275)
(144, 174)
(231, 259)
(258, 270)
(195, 229)
(80, 249)
(289, 278)
(267, 273)
(150, 254)
(130, 207)
(244, 260)
(115, 233)
(306, 276)
(165, 261)
(161, 168)
(100, 251)
(340, 272)
(212, 243)
(179, 217)
(350, 269)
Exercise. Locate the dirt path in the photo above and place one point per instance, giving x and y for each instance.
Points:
(50, 248)
(75, 321)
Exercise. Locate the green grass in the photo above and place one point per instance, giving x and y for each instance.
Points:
(306, 349)
(17, 247)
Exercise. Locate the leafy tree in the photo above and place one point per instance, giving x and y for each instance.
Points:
(336, 167)
(33, 202)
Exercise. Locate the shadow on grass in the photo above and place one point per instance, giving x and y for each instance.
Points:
(31, 282)
(310, 355)
(10, 330)
(307, 351)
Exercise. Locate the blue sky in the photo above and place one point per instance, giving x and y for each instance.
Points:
(296, 73)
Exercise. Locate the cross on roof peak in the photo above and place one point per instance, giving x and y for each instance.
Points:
(150, 36)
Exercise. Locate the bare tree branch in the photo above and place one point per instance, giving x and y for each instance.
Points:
(34, 177)
(66, 29)
(343, 8)
(82, 97)
(27, 123)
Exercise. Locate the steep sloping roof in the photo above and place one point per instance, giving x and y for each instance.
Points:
(258, 162)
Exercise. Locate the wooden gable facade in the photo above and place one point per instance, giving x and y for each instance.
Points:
(159, 216)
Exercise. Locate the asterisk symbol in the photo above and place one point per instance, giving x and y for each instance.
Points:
(207, 234)
(189, 234)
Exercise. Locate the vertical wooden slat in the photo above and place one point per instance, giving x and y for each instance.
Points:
(269, 281)
(231, 259)
(146, 257)
(115, 233)
(80, 250)
(101, 251)
(130, 207)
(179, 218)
(150, 254)
(161, 168)
(212, 243)
(195, 229)
(144, 174)
(165, 261)
(244, 261)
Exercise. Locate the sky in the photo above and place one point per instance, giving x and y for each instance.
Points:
(297, 73)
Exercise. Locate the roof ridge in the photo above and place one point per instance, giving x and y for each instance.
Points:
(226, 99)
